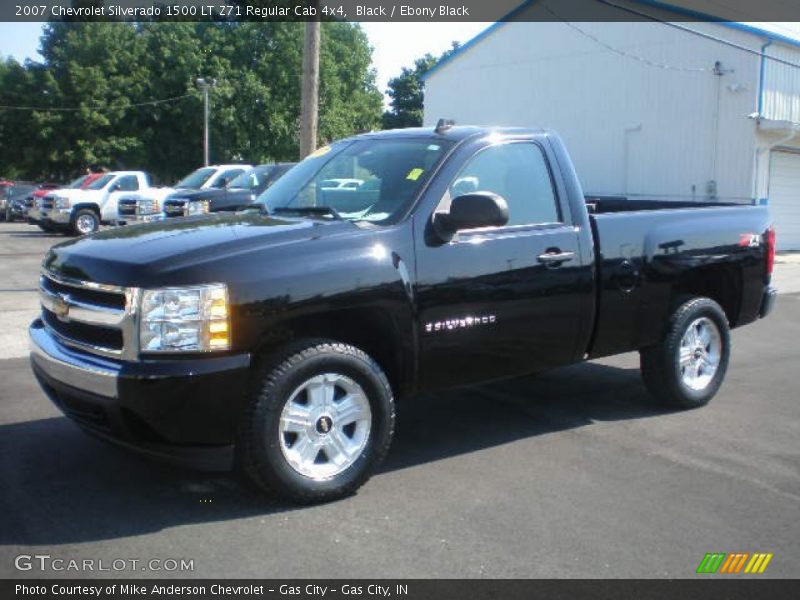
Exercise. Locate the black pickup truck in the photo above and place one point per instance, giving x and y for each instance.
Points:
(279, 339)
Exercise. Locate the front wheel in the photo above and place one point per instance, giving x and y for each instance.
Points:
(687, 368)
(319, 423)
(84, 222)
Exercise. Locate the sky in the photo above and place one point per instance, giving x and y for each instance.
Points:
(396, 45)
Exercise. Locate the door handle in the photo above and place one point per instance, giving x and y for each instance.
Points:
(555, 258)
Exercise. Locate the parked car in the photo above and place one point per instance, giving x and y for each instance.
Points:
(350, 184)
(473, 255)
(81, 211)
(148, 205)
(10, 198)
(238, 194)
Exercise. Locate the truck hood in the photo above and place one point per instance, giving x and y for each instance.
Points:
(182, 252)
(209, 194)
(78, 195)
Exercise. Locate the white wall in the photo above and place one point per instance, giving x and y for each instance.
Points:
(781, 95)
(632, 128)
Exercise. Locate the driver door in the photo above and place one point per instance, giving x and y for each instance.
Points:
(491, 304)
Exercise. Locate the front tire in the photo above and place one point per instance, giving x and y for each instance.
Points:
(688, 367)
(84, 222)
(318, 424)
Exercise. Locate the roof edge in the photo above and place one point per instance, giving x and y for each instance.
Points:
(700, 16)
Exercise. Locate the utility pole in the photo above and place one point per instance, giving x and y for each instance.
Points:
(310, 84)
(205, 87)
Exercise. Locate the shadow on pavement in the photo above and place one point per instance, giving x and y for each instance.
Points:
(61, 486)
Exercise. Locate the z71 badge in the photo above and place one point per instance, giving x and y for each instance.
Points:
(749, 240)
(462, 323)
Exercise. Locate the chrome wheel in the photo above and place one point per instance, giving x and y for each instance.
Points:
(700, 352)
(324, 426)
(85, 224)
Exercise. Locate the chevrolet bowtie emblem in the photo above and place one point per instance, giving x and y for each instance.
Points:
(61, 306)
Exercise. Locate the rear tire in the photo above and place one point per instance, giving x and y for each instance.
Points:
(688, 367)
(318, 424)
(84, 222)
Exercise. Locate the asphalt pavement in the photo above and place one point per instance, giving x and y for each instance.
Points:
(573, 473)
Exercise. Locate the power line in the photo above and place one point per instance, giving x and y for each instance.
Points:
(636, 57)
(702, 34)
(678, 26)
(96, 108)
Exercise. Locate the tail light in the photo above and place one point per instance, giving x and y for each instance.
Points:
(770, 249)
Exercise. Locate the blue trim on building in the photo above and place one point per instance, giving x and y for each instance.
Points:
(772, 37)
(483, 34)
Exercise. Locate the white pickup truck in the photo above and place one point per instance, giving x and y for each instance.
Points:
(148, 205)
(80, 211)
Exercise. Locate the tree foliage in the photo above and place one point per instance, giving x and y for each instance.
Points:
(407, 92)
(105, 71)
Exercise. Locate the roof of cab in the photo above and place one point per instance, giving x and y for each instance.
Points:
(455, 133)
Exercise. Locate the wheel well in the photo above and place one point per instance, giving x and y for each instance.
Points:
(721, 283)
(372, 330)
(94, 208)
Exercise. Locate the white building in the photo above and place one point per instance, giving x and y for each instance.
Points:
(647, 109)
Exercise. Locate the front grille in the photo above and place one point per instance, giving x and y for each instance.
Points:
(100, 298)
(83, 333)
(93, 317)
(173, 208)
(127, 208)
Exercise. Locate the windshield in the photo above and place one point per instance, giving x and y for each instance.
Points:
(251, 179)
(99, 184)
(197, 178)
(78, 182)
(376, 178)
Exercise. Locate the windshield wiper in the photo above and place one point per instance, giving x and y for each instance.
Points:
(309, 210)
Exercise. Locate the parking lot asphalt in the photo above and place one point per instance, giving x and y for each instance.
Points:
(569, 474)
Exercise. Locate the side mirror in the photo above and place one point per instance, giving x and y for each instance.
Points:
(470, 211)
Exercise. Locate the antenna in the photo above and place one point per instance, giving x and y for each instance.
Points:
(444, 124)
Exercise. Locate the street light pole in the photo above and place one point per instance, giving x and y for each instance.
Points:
(205, 87)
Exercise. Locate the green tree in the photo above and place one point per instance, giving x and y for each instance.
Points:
(407, 92)
(111, 72)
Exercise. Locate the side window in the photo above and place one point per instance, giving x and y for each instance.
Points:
(228, 176)
(127, 183)
(518, 172)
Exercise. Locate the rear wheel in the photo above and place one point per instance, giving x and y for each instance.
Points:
(687, 368)
(85, 221)
(319, 423)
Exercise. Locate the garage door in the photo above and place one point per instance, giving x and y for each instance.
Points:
(784, 198)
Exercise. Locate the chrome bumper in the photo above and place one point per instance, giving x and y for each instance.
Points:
(768, 301)
(135, 219)
(81, 371)
(62, 216)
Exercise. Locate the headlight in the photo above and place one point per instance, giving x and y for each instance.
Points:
(196, 207)
(191, 319)
(61, 202)
(148, 206)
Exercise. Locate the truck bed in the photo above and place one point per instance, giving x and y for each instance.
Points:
(646, 250)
